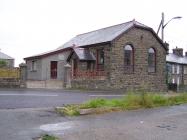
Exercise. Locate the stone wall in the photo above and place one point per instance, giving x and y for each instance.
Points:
(9, 82)
(90, 84)
(141, 40)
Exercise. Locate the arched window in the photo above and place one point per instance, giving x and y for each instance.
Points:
(100, 59)
(128, 59)
(151, 60)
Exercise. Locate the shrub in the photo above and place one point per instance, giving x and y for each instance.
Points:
(3, 64)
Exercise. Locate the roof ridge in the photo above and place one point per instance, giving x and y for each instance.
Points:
(107, 27)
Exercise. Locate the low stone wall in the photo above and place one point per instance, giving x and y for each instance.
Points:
(9, 82)
(47, 84)
(90, 84)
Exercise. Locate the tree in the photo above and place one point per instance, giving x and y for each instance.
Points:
(3, 64)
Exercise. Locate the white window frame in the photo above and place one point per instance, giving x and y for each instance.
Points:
(178, 80)
(185, 69)
(173, 80)
(33, 65)
(178, 69)
(173, 68)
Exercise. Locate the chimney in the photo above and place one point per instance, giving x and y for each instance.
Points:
(178, 51)
(185, 53)
(167, 46)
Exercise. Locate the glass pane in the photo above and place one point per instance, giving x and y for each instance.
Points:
(151, 60)
(128, 55)
(128, 58)
(151, 50)
(128, 47)
(101, 56)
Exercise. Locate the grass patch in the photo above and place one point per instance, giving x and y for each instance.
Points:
(69, 110)
(48, 137)
(129, 102)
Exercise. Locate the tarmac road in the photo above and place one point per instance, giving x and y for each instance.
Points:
(29, 98)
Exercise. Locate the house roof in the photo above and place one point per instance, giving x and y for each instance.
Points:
(173, 58)
(83, 54)
(5, 56)
(105, 35)
(45, 54)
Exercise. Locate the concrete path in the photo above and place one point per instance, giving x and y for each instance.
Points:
(23, 124)
(168, 123)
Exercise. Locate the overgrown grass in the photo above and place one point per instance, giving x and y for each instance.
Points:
(69, 110)
(48, 137)
(129, 102)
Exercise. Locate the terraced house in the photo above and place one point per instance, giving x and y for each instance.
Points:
(177, 67)
(125, 56)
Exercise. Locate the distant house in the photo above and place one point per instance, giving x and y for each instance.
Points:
(177, 67)
(126, 56)
(9, 61)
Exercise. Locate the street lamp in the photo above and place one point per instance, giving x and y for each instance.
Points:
(162, 25)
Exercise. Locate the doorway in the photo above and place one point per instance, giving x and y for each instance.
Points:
(75, 67)
(54, 69)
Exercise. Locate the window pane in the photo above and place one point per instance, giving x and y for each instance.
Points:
(128, 55)
(101, 56)
(33, 66)
(128, 47)
(100, 59)
(151, 60)
(151, 50)
(128, 59)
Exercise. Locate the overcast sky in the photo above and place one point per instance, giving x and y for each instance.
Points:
(29, 27)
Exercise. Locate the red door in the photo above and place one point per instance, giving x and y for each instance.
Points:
(74, 67)
(53, 69)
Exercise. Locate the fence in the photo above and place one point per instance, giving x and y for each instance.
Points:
(172, 86)
(10, 73)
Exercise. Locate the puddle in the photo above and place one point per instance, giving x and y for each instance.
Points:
(168, 127)
(58, 126)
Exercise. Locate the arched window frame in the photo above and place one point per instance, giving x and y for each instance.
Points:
(128, 66)
(151, 60)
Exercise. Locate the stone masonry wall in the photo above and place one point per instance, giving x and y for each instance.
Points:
(116, 78)
(141, 40)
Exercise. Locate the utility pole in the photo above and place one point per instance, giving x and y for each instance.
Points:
(162, 27)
